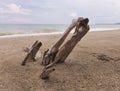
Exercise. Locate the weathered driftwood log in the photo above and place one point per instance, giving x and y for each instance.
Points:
(49, 55)
(80, 30)
(31, 52)
(65, 50)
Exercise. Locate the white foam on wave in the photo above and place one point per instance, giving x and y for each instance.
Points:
(103, 29)
(26, 35)
(53, 33)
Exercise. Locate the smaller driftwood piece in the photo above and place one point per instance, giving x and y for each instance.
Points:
(58, 53)
(31, 52)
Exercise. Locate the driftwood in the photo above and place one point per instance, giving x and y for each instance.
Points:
(49, 55)
(66, 49)
(58, 54)
(45, 73)
(31, 52)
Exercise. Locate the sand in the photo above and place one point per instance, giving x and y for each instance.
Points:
(93, 65)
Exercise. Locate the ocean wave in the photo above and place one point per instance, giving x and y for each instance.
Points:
(34, 34)
(29, 30)
(103, 29)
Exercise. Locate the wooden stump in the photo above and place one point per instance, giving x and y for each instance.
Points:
(32, 52)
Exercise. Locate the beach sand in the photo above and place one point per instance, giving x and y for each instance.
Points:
(93, 65)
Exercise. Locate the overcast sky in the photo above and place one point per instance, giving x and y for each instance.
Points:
(58, 11)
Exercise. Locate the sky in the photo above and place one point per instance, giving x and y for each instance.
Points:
(58, 11)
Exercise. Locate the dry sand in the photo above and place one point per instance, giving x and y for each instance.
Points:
(93, 65)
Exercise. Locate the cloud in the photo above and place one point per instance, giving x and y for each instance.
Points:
(73, 14)
(14, 9)
(59, 11)
(47, 5)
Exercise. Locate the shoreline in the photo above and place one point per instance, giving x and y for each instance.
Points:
(42, 34)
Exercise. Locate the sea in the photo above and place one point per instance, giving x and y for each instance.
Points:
(46, 29)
